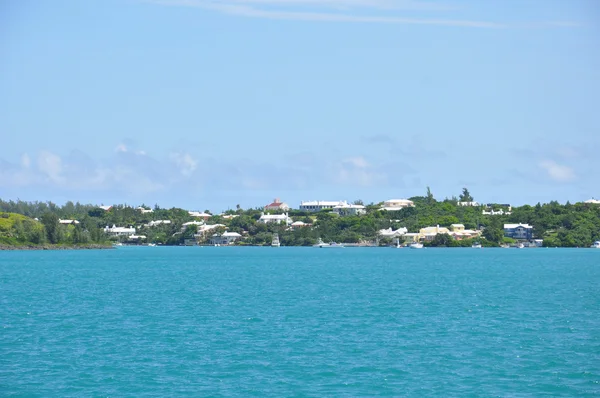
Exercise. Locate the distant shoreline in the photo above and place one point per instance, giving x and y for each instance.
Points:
(55, 247)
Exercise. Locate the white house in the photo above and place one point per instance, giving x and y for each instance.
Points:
(592, 201)
(158, 222)
(300, 224)
(185, 224)
(277, 205)
(318, 205)
(68, 221)
(226, 238)
(105, 208)
(275, 218)
(198, 214)
(346, 209)
(469, 204)
(203, 229)
(144, 211)
(390, 233)
(396, 204)
(495, 212)
(119, 231)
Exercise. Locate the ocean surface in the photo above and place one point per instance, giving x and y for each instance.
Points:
(227, 321)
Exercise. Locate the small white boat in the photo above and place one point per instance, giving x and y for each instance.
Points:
(596, 244)
(520, 246)
(322, 244)
(476, 245)
(152, 244)
(398, 244)
(275, 241)
(416, 245)
(118, 244)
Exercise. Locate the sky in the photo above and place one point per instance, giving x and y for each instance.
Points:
(207, 104)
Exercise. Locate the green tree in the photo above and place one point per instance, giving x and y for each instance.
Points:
(442, 240)
(52, 227)
(465, 196)
(493, 234)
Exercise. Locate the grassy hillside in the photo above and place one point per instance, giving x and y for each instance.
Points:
(16, 229)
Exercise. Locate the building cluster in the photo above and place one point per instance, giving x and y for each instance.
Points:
(277, 212)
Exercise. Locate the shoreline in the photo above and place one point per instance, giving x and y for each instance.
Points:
(4, 247)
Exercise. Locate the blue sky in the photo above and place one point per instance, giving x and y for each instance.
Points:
(205, 104)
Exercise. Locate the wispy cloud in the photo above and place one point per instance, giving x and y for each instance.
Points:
(557, 172)
(333, 11)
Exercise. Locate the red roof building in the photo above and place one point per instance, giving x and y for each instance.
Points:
(277, 205)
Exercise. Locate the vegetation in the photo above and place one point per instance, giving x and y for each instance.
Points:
(568, 225)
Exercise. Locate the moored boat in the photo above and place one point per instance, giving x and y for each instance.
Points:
(596, 244)
(322, 244)
(275, 241)
(416, 245)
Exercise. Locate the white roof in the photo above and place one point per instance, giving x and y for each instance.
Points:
(185, 224)
(391, 232)
(324, 203)
(198, 214)
(231, 234)
(348, 206)
(274, 217)
(157, 222)
(105, 208)
(511, 226)
(68, 221)
(398, 200)
(298, 223)
(119, 229)
(208, 227)
(593, 201)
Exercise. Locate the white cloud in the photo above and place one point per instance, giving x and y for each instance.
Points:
(185, 162)
(50, 164)
(557, 172)
(359, 162)
(327, 11)
(358, 171)
(25, 161)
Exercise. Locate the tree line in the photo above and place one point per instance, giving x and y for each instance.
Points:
(560, 225)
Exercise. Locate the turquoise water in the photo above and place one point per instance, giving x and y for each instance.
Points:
(206, 321)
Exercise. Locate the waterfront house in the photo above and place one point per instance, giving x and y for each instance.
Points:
(277, 205)
(458, 232)
(397, 204)
(226, 238)
(518, 231)
(390, 233)
(274, 219)
(119, 231)
(428, 233)
(411, 237)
